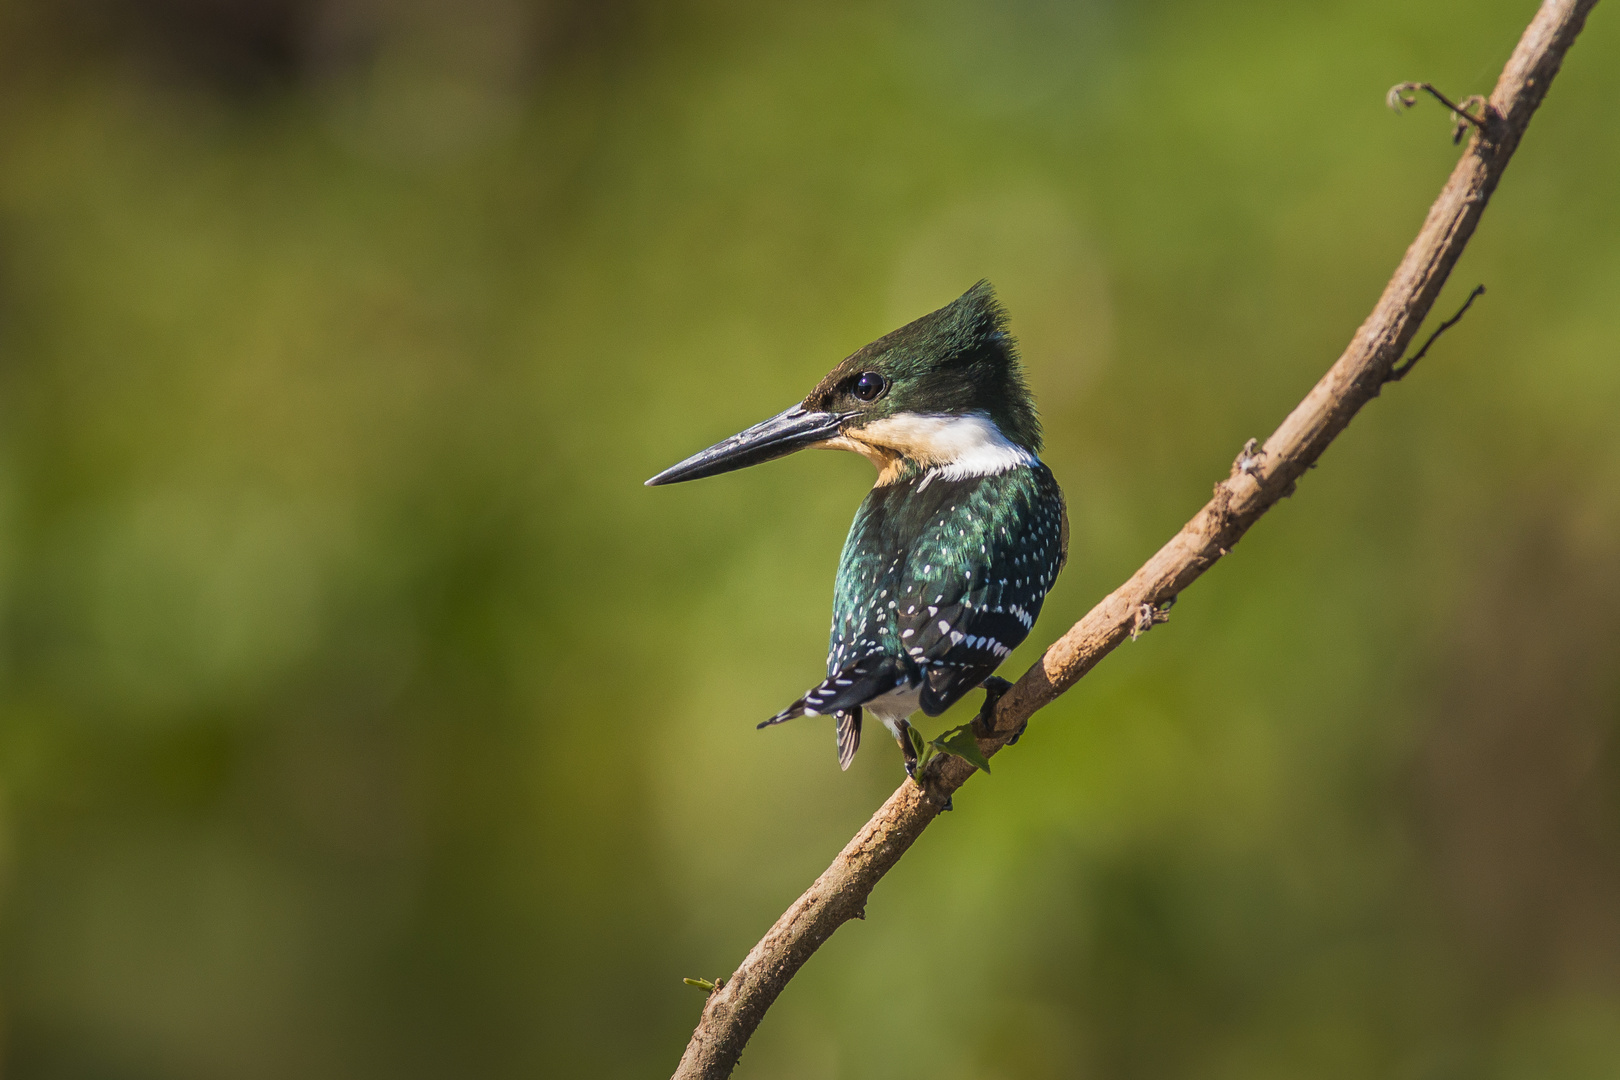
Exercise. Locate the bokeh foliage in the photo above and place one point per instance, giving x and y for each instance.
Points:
(362, 715)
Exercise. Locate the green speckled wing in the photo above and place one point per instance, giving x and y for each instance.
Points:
(945, 578)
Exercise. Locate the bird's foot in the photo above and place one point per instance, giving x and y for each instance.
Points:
(994, 687)
(906, 736)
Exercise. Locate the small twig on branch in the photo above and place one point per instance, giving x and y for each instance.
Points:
(1266, 475)
(1403, 94)
(1150, 615)
(1398, 371)
(1248, 460)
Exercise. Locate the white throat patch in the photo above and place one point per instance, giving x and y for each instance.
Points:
(949, 447)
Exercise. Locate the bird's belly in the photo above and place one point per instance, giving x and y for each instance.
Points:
(895, 706)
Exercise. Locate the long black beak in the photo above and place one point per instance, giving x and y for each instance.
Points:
(782, 434)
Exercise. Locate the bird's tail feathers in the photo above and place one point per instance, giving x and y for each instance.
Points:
(860, 682)
(849, 735)
(842, 695)
(792, 712)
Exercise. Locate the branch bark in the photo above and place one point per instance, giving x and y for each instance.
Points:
(1259, 479)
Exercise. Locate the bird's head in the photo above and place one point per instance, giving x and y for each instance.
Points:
(942, 392)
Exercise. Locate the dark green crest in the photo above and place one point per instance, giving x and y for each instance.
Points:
(951, 362)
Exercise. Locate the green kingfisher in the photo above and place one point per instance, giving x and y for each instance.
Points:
(955, 547)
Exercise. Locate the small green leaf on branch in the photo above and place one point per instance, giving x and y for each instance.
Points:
(923, 751)
(960, 741)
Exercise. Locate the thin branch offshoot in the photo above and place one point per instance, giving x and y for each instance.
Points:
(1399, 371)
(1404, 95)
(1260, 477)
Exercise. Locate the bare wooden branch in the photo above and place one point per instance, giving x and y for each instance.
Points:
(1259, 478)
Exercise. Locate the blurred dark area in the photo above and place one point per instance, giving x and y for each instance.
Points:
(361, 714)
(242, 48)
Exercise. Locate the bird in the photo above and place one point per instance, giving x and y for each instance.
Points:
(954, 549)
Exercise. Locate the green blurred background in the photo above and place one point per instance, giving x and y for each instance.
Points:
(362, 715)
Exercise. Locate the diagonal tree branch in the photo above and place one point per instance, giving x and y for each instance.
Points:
(1259, 479)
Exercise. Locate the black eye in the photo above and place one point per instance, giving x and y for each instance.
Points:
(869, 386)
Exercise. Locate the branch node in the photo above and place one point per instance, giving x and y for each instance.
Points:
(1399, 370)
(1248, 460)
(1462, 113)
(1149, 615)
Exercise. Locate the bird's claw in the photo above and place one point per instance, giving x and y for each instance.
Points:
(994, 688)
(911, 745)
